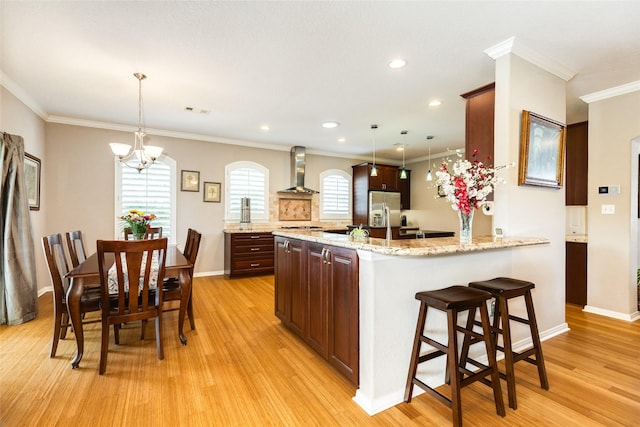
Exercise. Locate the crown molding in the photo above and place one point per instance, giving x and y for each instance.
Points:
(22, 95)
(612, 92)
(517, 48)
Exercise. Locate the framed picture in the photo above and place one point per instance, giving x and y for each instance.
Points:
(441, 191)
(542, 143)
(190, 181)
(211, 192)
(32, 178)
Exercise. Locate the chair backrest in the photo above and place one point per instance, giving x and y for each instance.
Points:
(57, 263)
(151, 233)
(134, 264)
(192, 246)
(75, 246)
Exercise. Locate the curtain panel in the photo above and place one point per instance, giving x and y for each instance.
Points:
(18, 283)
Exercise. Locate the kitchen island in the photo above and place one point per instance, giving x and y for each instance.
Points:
(390, 273)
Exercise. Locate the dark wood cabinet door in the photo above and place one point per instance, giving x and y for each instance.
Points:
(577, 154)
(404, 186)
(298, 287)
(576, 273)
(317, 294)
(281, 280)
(343, 315)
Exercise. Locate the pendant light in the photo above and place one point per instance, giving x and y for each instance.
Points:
(429, 176)
(403, 172)
(142, 156)
(374, 171)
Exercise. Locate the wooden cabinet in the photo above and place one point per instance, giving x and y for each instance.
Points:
(479, 123)
(290, 284)
(404, 186)
(247, 254)
(316, 296)
(577, 155)
(576, 273)
(387, 180)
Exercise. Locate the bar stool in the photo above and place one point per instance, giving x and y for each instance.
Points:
(503, 289)
(453, 300)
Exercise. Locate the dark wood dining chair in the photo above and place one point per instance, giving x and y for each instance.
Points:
(151, 233)
(75, 246)
(171, 286)
(58, 268)
(133, 263)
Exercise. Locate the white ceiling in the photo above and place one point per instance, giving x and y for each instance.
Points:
(292, 65)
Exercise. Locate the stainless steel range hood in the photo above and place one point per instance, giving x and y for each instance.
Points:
(297, 172)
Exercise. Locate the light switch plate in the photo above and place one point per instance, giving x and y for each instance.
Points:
(608, 209)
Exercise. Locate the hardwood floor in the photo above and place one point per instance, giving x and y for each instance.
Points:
(242, 368)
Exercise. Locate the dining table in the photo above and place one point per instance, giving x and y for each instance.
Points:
(176, 265)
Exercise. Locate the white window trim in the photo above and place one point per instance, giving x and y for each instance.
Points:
(327, 216)
(255, 217)
(118, 201)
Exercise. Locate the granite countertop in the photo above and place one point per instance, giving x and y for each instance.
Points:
(417, 247)
(576, 238)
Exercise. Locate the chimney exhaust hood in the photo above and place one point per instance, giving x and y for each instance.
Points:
(297, 172)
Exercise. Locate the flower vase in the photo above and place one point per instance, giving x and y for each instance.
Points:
(137, 236)
(466, 227)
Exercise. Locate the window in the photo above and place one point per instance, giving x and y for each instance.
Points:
(152, 190)
(247, 179)
(335, 195)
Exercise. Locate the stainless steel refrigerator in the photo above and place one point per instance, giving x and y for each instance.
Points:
(377, 201)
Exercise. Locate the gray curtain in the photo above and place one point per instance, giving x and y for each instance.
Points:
(18, 285)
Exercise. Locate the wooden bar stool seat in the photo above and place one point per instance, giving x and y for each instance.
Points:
(454, 300)
(503, 289)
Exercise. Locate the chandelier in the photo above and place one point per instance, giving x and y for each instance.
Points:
(140, 156)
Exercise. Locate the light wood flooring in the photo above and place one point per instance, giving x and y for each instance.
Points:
(241, 367)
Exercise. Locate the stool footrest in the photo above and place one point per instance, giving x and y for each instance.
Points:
(430, 356)
(444, 399)
(519, 319)
(434, 343)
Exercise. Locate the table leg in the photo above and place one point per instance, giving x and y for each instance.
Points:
(185, 293)
(74, 294)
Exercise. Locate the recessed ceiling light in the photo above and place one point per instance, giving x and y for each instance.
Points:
(397, 63)
(342, 139)
(330, 124)
(434, 103)
(265, 128)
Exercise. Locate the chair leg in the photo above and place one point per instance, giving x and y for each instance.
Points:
(508, 353)
(454, 371)
(491, 357)
(56, 330)
(413, 365)
(65, 324)
(535, 337)
(104, 346)
(190, 312)
(159, 335)
(116, 334)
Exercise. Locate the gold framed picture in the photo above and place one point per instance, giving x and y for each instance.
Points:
(211, 192)
(542, 142)
(32, 179)
(190, 181)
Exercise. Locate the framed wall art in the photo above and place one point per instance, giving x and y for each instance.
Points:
(211, 192)
(542, 143)
(32, 179)
(190, 181)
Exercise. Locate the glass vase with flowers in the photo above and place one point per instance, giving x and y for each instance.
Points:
(466, 185)
(138, 222)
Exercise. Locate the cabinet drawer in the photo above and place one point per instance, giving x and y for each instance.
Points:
(253, 239)
(255, 249)
(252, 264)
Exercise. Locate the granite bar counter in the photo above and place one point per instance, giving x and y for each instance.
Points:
(390, 274)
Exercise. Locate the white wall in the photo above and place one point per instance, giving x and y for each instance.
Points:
(612, 247)
(18, 119)
(526, 210)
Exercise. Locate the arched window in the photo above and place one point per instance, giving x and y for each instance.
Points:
(335, 195)
(247, 179)
(153, 190)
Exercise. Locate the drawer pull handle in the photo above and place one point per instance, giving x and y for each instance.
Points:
(255, 265)
(255, 249)
(255, 237)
